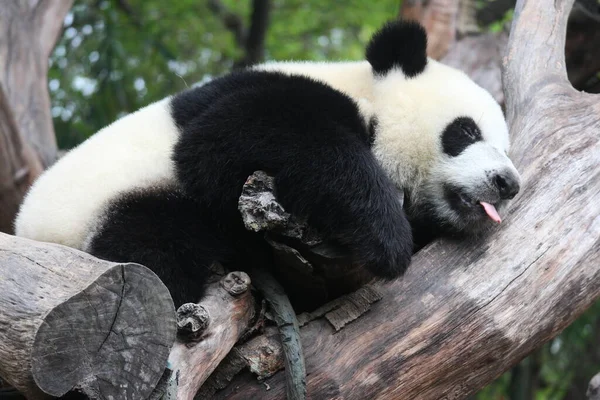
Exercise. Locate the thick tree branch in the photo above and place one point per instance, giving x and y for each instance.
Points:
(439, 19)
(70, 321)
(542, 28)
(228, 308)
(252, 39)
(255, 40)
(19, 165)
(467, 311)
(231, 21)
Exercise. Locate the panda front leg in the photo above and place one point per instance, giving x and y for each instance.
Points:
(346, 195)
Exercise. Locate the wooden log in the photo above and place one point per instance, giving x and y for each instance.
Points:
(208, 331)
(71, 321)
(467, 311)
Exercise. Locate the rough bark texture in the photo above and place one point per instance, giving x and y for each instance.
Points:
(28, 31)
(439, 19)
(465, 312)
(230, 308)
(69, 320)
(449, 24)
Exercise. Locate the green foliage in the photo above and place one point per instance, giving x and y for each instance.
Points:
(110, 62)
(499, 25)
(561, 369)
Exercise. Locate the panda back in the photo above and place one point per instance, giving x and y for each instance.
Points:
(66, 202)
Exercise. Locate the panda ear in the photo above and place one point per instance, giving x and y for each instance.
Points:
(398, 44)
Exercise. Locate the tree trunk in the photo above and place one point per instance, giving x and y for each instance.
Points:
(71, 321)
(467, 311)
(28, 31)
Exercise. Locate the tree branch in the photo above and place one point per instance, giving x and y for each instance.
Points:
(439, 19)
(229, 307)
(72, 321)
(255, 40)
(467, 311)
(542, 25)
(251, 40)
(28, 31)
(232, 21)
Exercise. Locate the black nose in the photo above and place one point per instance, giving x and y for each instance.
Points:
(507, 184)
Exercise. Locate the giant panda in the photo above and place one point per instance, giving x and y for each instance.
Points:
(342, 139)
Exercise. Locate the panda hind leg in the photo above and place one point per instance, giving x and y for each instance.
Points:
(165, 231)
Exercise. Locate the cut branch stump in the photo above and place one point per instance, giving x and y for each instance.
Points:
(69, 321)
(208, 330)
(467, 311)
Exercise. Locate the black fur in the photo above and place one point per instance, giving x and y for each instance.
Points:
(460, 134)
(308, 135)
(399, 44)
(164, 230)
(311, 138)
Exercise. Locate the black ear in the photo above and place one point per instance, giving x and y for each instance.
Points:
(400, 44)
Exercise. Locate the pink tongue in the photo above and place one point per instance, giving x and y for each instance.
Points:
(490, 210)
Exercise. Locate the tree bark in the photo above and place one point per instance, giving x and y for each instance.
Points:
(251, 39)
(467, 311)
(439, 19)
(446, 22)
(28, 31)
(229, 308)
(71, 321)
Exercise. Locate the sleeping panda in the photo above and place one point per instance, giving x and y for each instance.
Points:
(160, 186)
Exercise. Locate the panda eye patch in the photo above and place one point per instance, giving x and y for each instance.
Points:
(460, 134)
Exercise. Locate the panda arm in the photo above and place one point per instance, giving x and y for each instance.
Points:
(314, 141)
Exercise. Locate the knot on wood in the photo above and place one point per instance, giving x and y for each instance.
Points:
(192, 321)
(236, 283)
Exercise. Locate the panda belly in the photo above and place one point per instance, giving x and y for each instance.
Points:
(66, 203)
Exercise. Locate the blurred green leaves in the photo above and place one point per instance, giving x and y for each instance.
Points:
(117, 56)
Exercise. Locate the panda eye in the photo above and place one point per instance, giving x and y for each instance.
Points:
(460, 134)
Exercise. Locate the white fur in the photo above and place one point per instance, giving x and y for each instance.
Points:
(353, 78)
(64, 204)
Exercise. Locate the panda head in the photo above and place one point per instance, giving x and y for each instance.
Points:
(441, 137)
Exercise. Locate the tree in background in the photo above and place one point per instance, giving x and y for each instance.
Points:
(116, 56)
(28, 31)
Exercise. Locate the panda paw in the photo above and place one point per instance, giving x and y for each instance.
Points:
(387, 251)
(392, 260)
